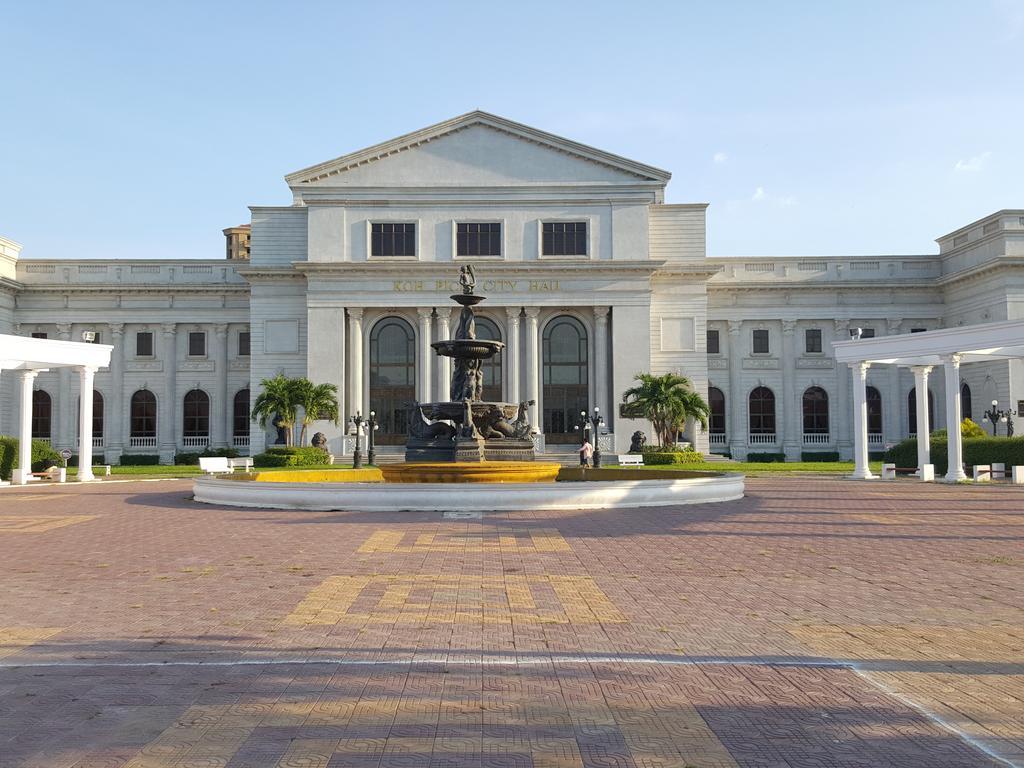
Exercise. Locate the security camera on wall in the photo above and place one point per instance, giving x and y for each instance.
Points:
(855, 333)
(89, 336)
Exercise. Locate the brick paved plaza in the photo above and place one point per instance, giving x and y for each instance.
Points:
(819, 622)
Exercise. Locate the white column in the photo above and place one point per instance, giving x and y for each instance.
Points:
(955, 451)
(64, 435)
(423, 390)
(891, 406)
(844, 429)
(792, 437)
(355, 366)
(601, 360)
(512, 353)
(924, 428)
(444, 364)
(113, 406)
(861, 471)
(220, 433)
(533, 371)
(21, 475)
(86, 376)
(167, 424)
(734, 405)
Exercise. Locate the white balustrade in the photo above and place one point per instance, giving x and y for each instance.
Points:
(200, 441)
(240, 441)
(817, 438)
(97, 441)
(717, 439)
(142, 442)
(875, 439)
(761, 438)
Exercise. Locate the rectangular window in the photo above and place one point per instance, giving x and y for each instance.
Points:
(144, 344)
(867, 333)
(713, 348)
(97, 337)
(812, 340)
(478, 239)
(760, 342)
(197, 344)
(243, 344)
(392, 239)
(38, 334)
(918, 330)
(564, 238)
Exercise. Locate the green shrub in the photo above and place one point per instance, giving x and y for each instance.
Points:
(97, 459)
(138, 459)
(191, 458)
(976, 450)
(768, 458)
(819, 456)
(291, 456)
(876, 455)
(967, 429)
(43, 456)
(655, 458)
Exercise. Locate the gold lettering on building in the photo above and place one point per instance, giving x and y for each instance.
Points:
(490, 286)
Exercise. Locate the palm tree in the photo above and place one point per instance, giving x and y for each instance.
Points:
(276, 399)
(318, 401)
(666, 401)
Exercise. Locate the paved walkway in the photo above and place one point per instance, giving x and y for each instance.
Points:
(819, 622)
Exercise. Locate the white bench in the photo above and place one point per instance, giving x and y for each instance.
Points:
(982, 473)
(631, 460)
(57, 474)
(244, 463)
(104, 467)
(928, 473)
(215, 465)
(998, 470)
(888, 471)
(1017, 475)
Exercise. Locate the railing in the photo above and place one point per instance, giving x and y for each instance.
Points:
(142, 442)
(912, 436)
(717, 438)
(875, 438)
(42, 439)
(761, 438)
(200, 441)
(97, 441)
(817, 438)
(240, 441)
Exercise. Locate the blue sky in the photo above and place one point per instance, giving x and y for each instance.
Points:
(143, 129)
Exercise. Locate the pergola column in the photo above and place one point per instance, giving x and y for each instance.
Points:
(923, 425)
(844, 427)
(86, 375)
(955, 472)
(861, 471)
(512, 353)
(355, 368)
(21, 475)
(426, 353)
(444, 364)
(533, 364)
(63, 436)
(113, 406)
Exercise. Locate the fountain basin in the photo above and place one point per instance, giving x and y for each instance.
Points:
(471, 472)
(686, 488)
(468, 349)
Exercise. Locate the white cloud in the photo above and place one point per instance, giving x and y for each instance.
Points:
(720, 157)
(759, 195)
(976, 163)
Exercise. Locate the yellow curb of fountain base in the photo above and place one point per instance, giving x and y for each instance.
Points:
(472, 472)
(365, 475)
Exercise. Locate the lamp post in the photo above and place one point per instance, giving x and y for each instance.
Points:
(371, 427)
(995, 415)
(596, 422)
(357, 454)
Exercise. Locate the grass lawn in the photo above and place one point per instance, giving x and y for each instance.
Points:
(758, 467)
(184, 470)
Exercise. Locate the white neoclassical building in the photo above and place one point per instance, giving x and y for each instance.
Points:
(590, 277)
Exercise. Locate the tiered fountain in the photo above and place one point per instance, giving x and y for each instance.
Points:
(465, 439)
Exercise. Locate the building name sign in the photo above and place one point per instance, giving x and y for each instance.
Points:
(488, 286)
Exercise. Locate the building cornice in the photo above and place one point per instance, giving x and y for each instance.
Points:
(980, 270)
(380, 269)
(398, 201)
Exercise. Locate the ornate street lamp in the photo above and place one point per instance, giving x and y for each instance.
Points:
(357, 429)
(995, 415)
(371, 427)
(596, 422)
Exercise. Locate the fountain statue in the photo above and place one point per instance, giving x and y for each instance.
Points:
(465, 428)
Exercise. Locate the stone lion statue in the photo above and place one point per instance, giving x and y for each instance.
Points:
(637, 442)
(320, 441)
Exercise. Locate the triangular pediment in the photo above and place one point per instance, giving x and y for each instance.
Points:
(477, 149)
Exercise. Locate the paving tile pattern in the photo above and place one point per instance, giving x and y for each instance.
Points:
(818, 622)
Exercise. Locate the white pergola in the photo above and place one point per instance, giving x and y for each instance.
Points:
(28, 358)
(922, 352)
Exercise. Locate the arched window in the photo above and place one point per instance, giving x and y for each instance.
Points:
(762, 411)
(97, 417)
(42, 415)
(912, 411)
(486, 329)
(966, 412)
(565, 378)
(815, 411)
(196, 414)
(240, 414)
(143, 414)
(716, 401)
(874, 400)
(392, 377)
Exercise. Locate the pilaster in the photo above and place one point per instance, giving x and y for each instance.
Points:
(513, 354)
(734, 409)
(65, 432)
(533, 365)
(426, 354)
(792, 437)
(114, 405)
(167, 421)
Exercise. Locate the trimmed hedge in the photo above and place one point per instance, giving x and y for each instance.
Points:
(812, 456)
(767, 458)
(283, 456)
(190, 458)
(43, 456)
(139, 459)
(97, 460)
(656, 458)
(977, 450)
